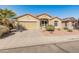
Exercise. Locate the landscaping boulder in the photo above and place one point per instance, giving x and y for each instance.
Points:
(3, 30)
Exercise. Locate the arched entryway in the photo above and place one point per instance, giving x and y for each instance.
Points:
(44, 22)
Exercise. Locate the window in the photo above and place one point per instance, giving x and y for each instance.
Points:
(56, 23)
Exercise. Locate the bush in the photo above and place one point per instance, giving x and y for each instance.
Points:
(65, 28)
(50, 28)
(69, 30)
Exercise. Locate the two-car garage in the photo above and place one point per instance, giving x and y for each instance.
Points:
(29, 24)
(28, 21)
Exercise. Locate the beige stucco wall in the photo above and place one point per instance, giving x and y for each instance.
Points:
(59, 22)
(63, 25)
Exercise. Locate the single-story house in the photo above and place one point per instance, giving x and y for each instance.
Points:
(29, 21)
(70, 22)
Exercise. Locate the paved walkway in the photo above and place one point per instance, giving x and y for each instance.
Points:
(31, 38)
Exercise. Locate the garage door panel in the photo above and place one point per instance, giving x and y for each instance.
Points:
(29, 25)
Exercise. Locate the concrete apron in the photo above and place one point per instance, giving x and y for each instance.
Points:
(15, 43)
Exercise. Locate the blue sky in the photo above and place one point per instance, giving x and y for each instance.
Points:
(61, 11)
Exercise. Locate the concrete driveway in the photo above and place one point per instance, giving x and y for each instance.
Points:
(31, 38)
(65, 47)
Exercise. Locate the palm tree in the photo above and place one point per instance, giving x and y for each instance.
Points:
(5, 15)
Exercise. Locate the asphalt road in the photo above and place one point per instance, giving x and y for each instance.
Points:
(62, 47)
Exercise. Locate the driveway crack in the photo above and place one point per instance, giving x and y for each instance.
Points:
(61, 48)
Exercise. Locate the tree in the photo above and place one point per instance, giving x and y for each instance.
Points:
(5, 15)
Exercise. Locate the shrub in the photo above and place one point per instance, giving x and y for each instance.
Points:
(69, 30)
(65, 28)
(50, 28)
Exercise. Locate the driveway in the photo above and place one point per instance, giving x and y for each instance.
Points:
(31, 38)
(63, 47)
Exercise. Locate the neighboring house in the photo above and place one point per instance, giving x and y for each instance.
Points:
(70, 22)
(29, 21)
